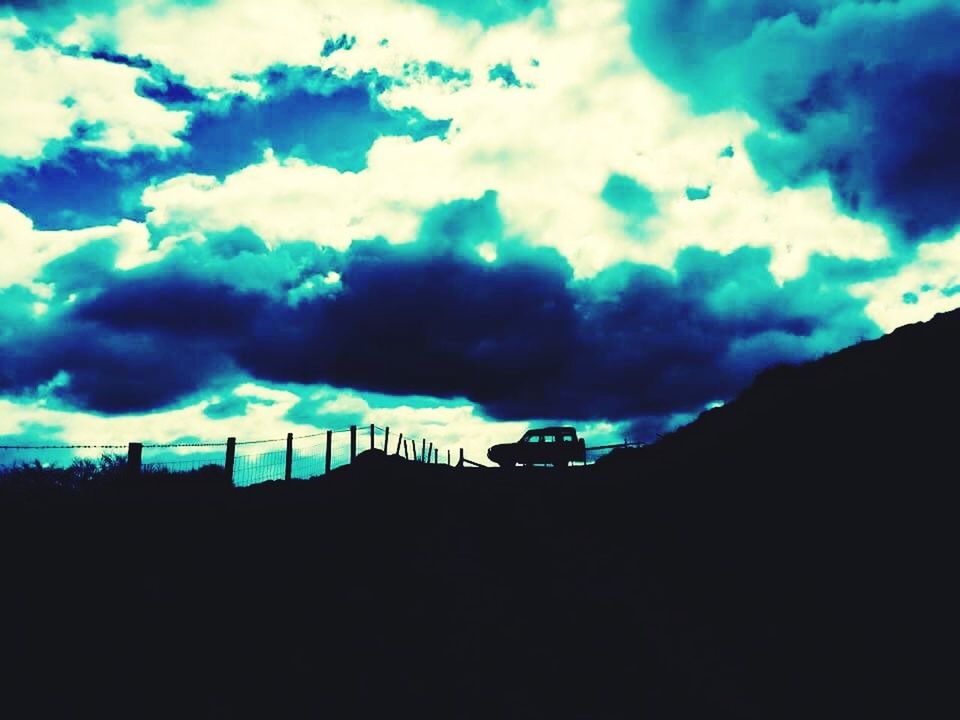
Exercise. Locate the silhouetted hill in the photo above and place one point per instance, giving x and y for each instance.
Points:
(891, 400)
(790, 555)
(816, 517)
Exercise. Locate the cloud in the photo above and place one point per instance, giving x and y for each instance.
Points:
(354, 177)
(223, 45)
(859, 92)
(920, 287)
(587, 113)
(288, 199)
(520, 336)
(33, 249)
(51, 100)
(301, 113)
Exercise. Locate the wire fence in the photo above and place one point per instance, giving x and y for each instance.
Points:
(242, 463)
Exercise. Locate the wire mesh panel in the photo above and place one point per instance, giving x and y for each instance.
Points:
(183, 459)
(340, 448)
(309, 460)
(258, 463)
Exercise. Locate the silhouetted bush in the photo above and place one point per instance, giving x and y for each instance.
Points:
(85, 475)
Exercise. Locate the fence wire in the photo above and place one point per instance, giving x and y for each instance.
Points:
(48, 456)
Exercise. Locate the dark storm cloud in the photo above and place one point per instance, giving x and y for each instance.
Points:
(111, 370)
(406, 323)
(864, 92)
(146, 338)
(307, 113)
(520, 336)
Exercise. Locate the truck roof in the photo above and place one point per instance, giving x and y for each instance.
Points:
(555, 428)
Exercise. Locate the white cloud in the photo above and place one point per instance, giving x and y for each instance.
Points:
(927, 286)
(46, 94)
(31, 249)
(586, 109)
(794, 224)
(288, 200)
(219, 45)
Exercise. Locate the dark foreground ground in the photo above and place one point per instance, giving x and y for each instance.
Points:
(391, 589)
(793, 554)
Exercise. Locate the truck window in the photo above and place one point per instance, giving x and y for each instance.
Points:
(550, 438)
(533, 438)
(568, 437)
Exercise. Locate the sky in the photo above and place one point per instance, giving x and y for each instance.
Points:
(458, 218)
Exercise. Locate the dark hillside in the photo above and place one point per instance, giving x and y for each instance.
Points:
(891, 400)
(816, 516)
(790, 555)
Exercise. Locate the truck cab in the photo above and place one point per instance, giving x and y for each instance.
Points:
(557, 446)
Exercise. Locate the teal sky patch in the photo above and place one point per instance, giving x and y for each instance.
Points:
(487, 12)
(626, 195)
(695, 193)
(226, 408)
(505, 74)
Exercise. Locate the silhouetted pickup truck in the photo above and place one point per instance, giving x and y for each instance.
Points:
(555, 446)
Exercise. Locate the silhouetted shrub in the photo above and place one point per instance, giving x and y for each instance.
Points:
(84, 475)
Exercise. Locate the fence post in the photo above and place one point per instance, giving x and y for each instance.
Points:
(399, 443)
(423, 450)
(329, 447)
(386, 439)
(372, 436)
(429, 458)
(460, 462)
(448, 457)
(288, 467)
(406, 454)
(353, 443)
(134, 458)
(229, 459)
(436, 456)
